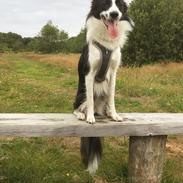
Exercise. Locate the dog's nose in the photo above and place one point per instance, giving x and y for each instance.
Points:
(114, 15)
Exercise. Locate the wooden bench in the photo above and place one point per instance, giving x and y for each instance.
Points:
(147, 132)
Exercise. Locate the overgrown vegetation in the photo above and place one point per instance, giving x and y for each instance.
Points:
(48, 83)
(157, 34)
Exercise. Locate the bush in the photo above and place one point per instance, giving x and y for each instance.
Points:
(76, 44)
(4, 47)
(157, 35)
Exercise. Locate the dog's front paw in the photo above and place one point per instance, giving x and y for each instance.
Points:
(90, 119)
(116, 117)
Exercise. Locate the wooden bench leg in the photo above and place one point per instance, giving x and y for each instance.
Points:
(146, 159)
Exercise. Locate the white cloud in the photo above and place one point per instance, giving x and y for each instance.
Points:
(26, 17)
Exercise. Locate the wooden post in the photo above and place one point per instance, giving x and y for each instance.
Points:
(146, 159)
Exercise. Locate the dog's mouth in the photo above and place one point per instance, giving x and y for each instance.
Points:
(112, 27)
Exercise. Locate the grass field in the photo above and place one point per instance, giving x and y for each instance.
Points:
(48, 83)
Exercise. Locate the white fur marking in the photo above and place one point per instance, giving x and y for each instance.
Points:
(89, 97)
(93, 166)
(101, 89)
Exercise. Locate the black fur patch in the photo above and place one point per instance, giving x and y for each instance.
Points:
(83, 70)
(122, 7)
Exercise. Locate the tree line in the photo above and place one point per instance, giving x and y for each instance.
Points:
(157, 35)
(49, 40)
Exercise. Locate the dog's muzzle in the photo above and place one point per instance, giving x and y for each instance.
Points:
(114, 15)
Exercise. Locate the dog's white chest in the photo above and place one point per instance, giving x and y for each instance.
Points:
(102, 88)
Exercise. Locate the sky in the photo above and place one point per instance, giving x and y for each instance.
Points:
(27, 17)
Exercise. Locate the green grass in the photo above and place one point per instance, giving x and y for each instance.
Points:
(31, 86)
(38, 160)
(46, 83)
(28, 85)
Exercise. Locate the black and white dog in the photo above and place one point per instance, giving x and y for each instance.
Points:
(107, 29)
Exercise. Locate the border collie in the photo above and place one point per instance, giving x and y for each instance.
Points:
(107, 27)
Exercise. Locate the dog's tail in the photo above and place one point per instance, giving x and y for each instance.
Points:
(91, 153)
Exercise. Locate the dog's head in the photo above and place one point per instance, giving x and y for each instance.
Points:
(110, 12)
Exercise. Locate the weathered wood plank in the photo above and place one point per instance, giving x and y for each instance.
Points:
(146, 159)
(136, 124)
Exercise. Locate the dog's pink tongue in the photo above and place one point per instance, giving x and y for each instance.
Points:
(113, 30)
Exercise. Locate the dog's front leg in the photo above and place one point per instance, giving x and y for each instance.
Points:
(111, 110)
(90, 98)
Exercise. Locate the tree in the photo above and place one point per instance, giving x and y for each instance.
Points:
(51, 38)
(34, 44)
(11, 41)
(63, 38)
(4, 47)
(157, 35)
(75, 44)
(18, 46)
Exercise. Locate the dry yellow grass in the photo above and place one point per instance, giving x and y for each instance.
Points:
(71, 60)
(67, 60)
(174, 146)
(4, 65)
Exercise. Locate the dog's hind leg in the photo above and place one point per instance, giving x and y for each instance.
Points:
(80, 113)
